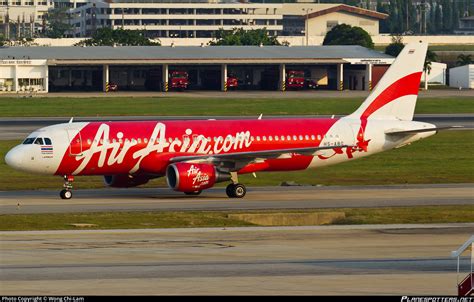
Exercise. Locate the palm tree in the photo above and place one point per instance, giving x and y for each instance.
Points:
(430, 57)
(464, 60)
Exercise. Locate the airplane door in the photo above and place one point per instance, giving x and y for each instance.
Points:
(75, 142)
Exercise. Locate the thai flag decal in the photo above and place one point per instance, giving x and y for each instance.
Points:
(47, 149)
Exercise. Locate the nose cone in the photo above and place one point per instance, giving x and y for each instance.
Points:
(14, 158)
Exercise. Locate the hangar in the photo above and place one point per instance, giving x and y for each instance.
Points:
(44, 69)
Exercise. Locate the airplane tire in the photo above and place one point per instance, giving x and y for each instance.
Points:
(229, 190)
(236, 190)
(65, 194)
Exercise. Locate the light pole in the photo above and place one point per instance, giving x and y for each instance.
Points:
(306, 10)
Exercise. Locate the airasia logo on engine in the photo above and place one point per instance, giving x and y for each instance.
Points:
(199, 178)
(186, 177)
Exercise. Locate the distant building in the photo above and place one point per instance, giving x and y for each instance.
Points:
(185, 19)
(462, 76)
(22, 18)
(466, 26)
(321, 18)
(176, 19)
(437, 74)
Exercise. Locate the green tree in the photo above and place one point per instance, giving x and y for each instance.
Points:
(430, 57)
(239, 36)
(3, 41)
(344, 34)
(57, 23)
(464, 60)
(394, 48)
(120, 37)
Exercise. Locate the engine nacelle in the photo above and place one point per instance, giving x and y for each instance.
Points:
(124, 180)
(187, 177)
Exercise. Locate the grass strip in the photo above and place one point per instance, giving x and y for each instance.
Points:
(176, 106)
(147, 220)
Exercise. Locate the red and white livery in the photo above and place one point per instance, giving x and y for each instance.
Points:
(195, 155)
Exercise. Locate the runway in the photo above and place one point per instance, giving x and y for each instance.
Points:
(19, 128)
(257, 198)
(354, 260)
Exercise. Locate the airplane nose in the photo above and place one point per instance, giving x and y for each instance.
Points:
(14, 159)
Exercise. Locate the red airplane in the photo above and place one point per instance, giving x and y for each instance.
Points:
(195, 155)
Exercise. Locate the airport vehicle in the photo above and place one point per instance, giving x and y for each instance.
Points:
(179, 80)
(232, 82)
(194, 155)
(311, 84)
(113, 87)
(295, 79)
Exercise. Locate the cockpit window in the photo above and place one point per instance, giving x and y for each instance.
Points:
(39, 141)
(47, 141)
(29, 140)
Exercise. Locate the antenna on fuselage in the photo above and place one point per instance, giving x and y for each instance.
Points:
(70, 121)
(260, 117)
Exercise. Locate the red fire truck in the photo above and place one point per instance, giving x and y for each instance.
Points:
(232, 82)
(295, 79)
(178, 80)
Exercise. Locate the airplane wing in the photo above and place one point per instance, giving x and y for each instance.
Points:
(253, 155)
(415, 131)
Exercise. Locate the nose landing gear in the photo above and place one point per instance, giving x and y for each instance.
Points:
(66, 193)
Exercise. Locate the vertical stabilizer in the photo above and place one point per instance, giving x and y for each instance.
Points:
(395, 95)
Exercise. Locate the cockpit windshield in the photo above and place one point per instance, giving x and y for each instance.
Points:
(29, 140)
(37, 141)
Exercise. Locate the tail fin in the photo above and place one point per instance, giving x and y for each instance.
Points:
(395, 95)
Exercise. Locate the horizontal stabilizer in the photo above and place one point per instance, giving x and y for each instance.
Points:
(414, 131)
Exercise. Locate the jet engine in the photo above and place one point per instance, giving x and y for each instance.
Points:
(188, 178)
(124, 180)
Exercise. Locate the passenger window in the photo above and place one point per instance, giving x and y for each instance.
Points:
(39, 141)
(47, 141)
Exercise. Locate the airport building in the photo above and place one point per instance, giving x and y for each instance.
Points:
(203, 19)
(44, 69)
(183, 19)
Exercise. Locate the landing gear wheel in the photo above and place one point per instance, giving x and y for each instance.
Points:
(193, 193)
(65, 194)
(236, 190)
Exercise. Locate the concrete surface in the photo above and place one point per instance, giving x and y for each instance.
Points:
(396, 260)
(257, 198)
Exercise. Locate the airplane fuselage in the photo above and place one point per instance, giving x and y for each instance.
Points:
(108, 148)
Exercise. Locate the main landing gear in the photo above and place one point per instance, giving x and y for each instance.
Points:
(66, 193)
(235, 190)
